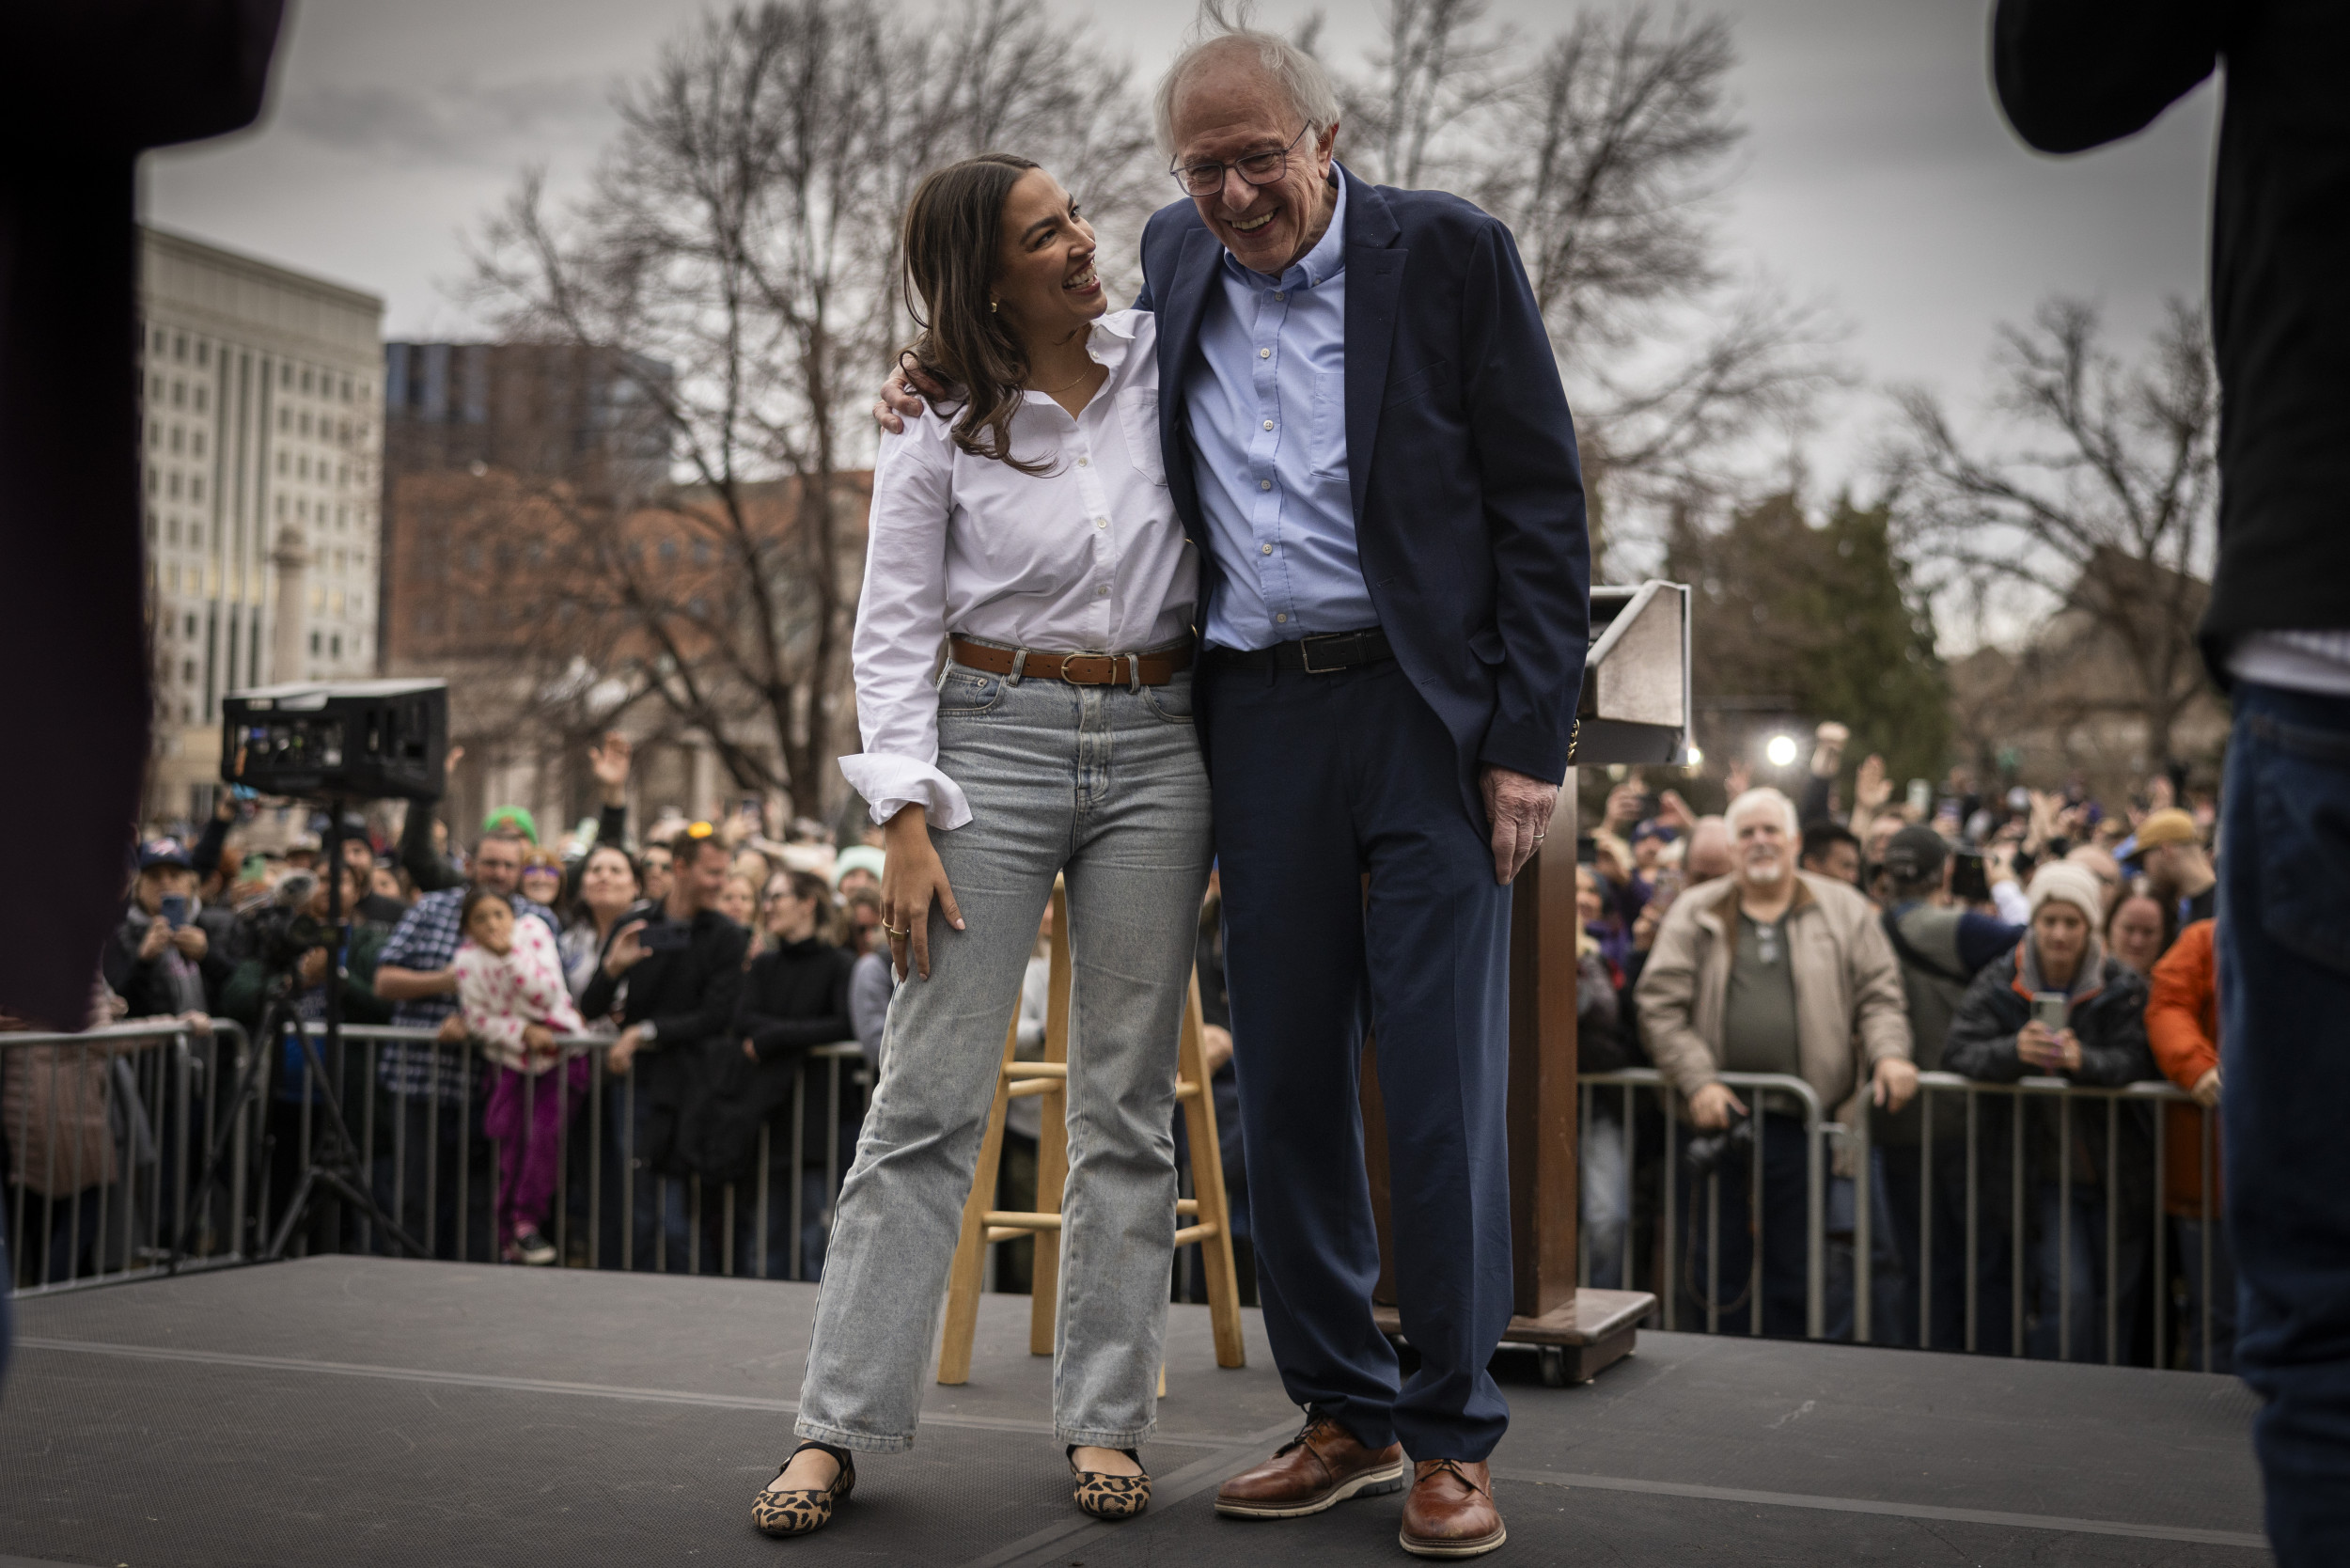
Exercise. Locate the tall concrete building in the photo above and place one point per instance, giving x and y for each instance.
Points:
(261, 442)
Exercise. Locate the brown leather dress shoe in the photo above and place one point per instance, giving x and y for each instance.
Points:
(1322, 1464)
(1450, 1512)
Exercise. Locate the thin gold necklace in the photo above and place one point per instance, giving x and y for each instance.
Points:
(1054, 391)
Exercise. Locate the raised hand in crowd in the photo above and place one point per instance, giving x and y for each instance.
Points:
(1607, 858)
(1644, 927)
(609, 762)
(1623, 806)
(1827, 755)
(158, 937)
(1738, 779)
(1675, 812)
(1871, 788)
(627, 949)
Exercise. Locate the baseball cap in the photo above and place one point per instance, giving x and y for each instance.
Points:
(164, 851)
(1915, 853)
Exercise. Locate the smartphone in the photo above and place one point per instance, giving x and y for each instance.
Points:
(1970, 882)
(1668, 885)
(2051, 1009)
(175, 910)
(1920, 796)
(665, 937)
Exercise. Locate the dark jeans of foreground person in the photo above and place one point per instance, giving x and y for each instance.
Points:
(2284, 981)
(1786, 1251)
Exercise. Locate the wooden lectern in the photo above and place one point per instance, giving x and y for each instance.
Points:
(1634, 707)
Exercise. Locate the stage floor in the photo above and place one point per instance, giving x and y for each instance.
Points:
(354, 1412)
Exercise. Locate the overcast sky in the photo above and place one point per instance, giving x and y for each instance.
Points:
(1877, 176)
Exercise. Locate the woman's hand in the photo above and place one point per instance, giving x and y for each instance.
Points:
(912, 876)
(627, 949)
(157, 938)
(191, 943)
(538, 1037)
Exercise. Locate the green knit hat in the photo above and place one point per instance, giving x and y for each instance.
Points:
(515, 817)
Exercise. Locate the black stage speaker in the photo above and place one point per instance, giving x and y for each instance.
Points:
(352, 740)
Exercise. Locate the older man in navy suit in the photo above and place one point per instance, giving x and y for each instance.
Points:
(1363, 428)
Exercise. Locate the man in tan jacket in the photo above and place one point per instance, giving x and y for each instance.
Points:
(1768, 970)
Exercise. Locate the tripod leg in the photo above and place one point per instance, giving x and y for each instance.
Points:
(248, 1086)
(296, 1207)
(364, 1201)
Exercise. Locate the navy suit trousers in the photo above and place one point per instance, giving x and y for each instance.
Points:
(1319, 780)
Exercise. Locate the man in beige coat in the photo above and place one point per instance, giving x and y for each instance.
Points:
(1768, 970)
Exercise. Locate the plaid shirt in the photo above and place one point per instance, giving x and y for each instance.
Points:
(426, 940)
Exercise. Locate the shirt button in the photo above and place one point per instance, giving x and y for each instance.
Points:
(1280, 294)
(1102, 592)
(1281, 620)
(1265, 549)
(1264, 484)
(1101, 521)
(1265, 353)
(1081, 463)
(1268, 424)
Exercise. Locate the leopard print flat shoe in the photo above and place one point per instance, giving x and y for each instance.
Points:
(802, 1511)
(1109, 1496)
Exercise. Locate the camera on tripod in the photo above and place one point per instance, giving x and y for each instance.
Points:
(286, 929)
(1706, 1152)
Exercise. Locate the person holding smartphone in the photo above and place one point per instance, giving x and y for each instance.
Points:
(158, 959)
(2059, 1006)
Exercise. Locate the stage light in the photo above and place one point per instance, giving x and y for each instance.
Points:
(1781, 751)
(1697, 758)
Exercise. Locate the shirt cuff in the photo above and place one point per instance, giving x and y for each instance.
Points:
(891, 783)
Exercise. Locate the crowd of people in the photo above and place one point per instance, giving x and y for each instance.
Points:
(711, 957)
(1997, 936)
(2029, 935)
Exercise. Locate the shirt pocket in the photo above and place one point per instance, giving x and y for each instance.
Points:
(1138, 413)
(1325, 446)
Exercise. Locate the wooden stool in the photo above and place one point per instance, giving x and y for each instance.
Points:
(1048, 1079)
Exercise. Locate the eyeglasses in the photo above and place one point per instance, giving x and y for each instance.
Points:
(1206, 178)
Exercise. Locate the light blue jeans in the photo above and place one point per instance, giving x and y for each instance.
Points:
(1104, 785)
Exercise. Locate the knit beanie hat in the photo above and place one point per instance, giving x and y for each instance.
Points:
(857, 858)
(2066, 883)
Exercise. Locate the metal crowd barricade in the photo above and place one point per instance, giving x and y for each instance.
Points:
(1821, 1135)
(1815, 1127)
(419, 1125)
(107, 1133)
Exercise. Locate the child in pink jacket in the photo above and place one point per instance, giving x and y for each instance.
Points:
(509, 984)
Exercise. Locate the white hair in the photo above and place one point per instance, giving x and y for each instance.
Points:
(1761, 796)
(1224, 29)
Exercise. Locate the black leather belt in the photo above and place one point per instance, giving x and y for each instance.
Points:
(1322, 655)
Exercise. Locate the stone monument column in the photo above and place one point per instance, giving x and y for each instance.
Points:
(292, 563)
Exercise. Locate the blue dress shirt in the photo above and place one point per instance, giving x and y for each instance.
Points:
(1268, 424)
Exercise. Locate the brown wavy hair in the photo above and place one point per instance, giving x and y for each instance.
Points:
(954, 227)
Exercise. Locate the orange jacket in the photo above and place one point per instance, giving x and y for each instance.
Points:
(2183, 1027)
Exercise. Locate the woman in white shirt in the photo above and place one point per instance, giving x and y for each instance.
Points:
(1027, 530)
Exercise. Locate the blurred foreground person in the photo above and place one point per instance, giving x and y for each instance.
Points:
(92, 86)
(2073, 74)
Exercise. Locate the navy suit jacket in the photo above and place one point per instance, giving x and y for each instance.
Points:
(1468, 498)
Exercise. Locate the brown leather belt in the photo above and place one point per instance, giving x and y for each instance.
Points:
(1079, 670)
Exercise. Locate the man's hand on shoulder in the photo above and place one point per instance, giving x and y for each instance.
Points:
(902, 394)
(1520, 809)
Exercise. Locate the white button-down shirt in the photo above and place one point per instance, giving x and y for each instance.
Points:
(1086, 557)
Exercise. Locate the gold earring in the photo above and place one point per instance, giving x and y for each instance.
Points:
(993, 305)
